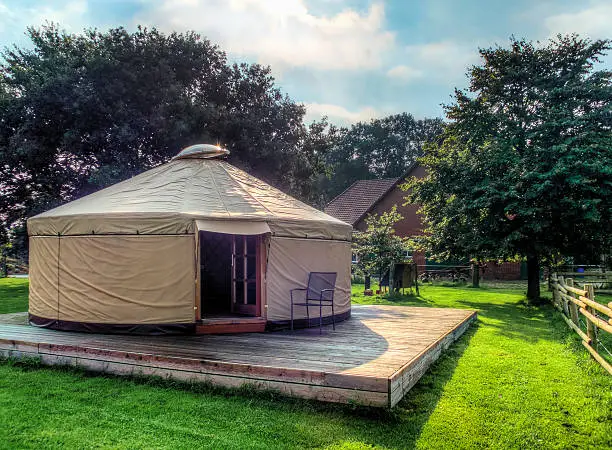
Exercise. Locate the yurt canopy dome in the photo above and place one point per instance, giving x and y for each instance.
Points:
(197, 185)
(202, 151)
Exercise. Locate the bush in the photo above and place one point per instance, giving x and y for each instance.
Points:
(357, 279)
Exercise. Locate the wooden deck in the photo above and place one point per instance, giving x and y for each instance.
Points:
(374, 358)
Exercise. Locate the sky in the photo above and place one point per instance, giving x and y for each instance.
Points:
(350, 60)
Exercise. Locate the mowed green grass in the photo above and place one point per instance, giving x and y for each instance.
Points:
(518, 379)
(13, 295)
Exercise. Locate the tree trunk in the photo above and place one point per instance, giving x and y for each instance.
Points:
(367, 282)
(475, 275)
(533, 278)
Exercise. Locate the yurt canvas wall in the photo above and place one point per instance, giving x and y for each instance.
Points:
(150, 279)
(85, 281)
(290, 262)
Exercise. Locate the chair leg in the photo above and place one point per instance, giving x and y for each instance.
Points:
(291, 316)
(320, 317)
(333, 316)
(307, 315)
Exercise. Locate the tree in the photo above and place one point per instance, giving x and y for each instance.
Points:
(381, 148)
(525, 166)
(378, 247)
(79, 112)
(318, 140)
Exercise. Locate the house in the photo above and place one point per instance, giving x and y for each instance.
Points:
(368, 197)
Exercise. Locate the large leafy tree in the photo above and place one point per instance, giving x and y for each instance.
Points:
(524, 167)
(81, 111)
(381, 148)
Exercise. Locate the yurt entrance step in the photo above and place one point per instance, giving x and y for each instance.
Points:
(225, 324)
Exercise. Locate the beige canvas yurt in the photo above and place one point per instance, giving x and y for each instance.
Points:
(180, 246)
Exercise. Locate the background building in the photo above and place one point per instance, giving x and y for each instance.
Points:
(367, 197)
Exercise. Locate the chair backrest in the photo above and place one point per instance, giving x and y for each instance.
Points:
(317, 281)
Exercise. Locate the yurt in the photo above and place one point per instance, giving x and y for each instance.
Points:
(194, 245)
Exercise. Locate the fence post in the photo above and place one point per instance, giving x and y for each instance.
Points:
(591, 327)
(573, 308)
(555, 291)
(564, 302)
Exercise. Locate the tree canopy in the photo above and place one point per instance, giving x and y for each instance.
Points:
(378, 246)
(381, 148)
(79, 112)
(524, 167)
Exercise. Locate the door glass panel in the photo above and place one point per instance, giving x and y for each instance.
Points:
(251, 293)
(240, 292)
(251, 267)
(245, 273)
(251, 270)
(251, 240)
(239, 268)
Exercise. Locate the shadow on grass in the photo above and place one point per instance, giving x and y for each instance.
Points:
(395, 299)
(514, 320)
(396, 428)
(413, 412)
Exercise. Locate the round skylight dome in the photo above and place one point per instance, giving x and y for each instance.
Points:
(202, 151)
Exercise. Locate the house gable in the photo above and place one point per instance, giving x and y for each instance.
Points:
(366, 197)
(411, 224)
(354, 203)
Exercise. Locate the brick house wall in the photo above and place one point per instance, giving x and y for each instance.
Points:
(504, 271)
(411, 224)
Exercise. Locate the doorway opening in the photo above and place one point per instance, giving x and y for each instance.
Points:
(230, 275)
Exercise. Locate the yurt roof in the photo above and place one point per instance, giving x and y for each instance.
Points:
(194, 186)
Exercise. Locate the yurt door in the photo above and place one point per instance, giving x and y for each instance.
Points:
(246, 275)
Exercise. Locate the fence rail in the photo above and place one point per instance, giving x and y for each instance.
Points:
(600, 280)
(585, 315)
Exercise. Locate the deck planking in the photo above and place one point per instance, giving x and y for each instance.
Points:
(374, 358)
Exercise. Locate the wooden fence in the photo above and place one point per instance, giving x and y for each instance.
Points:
(592, 320)
(601, 281)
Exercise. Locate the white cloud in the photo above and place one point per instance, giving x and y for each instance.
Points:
(446, 60)
(595, 21)
(7, 16)
(15, 18)
(69, 15)
(404, 73)
(282, 33)
(339, 115)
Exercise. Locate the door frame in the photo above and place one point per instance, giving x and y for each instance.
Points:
(260, 262)
(198, 281)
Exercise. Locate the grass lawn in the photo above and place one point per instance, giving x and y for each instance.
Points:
(519, 379)
(13, 295)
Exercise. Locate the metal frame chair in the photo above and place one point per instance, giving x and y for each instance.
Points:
(319, 292)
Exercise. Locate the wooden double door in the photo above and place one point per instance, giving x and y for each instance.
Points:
(246, 275)
(231, 274)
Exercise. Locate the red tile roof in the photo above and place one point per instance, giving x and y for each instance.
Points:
(359, 198)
